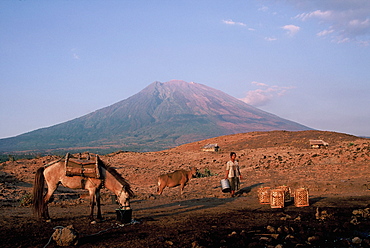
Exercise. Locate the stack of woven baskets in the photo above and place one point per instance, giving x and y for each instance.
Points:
(277, 197)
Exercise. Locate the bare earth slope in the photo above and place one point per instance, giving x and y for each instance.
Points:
(337, 179)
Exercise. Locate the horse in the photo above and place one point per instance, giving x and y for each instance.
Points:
(178, 177)
(55, 173)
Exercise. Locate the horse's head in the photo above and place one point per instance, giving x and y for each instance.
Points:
(123, 200)
(117, 184)
(123, 197)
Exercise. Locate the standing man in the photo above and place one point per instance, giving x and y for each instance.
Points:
(233, 173)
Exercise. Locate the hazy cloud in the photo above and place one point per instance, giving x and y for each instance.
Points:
(343, 21)
(315, 14)
(264, 8)
(264, 94)
(74, 54)
(270, 38)
(231, 22)
(291, 29)
(325, 32)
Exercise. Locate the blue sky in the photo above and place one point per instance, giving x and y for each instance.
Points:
(306, 61)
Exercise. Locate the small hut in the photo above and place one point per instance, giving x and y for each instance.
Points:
(210, 148)
(317, 144)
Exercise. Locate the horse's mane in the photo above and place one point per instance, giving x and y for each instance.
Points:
(117, 176)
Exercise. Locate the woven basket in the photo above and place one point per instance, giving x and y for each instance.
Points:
(301, 197)
(264, 195)
(277, 198)
(286, 189)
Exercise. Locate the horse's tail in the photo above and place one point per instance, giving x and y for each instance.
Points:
(38, 193)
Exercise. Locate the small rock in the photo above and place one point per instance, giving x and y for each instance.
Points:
(275, 236)
(298, 218)
(283, 229)
(313, 239)
(265, 239)
(232, 234)
(66, 236)
(356, 240)
(289, 236)
(271, 229)
(322, 215)
(168, 242)
(354, 220)
(195, 244)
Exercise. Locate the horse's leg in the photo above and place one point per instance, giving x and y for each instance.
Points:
(99, 215)
(49, 194)
(92, 203)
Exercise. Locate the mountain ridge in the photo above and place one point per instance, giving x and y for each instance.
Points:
(161, 116)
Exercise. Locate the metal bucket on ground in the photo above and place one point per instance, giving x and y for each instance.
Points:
(225, 186)
(124, 215)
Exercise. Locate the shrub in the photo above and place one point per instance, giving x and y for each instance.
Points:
(207, 173)
(26, 200)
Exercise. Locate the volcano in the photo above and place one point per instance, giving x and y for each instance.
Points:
(161, 116)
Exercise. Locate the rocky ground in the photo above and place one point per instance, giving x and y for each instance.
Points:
(337, 179)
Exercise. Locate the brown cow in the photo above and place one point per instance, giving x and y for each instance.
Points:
(178, 177)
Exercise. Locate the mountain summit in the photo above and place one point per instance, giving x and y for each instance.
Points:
(160, 116)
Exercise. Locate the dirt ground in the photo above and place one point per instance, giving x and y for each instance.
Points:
(337, 178)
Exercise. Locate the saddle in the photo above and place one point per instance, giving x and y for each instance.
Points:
(84, 167)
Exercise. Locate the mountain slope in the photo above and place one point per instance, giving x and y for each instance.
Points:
(162, 115)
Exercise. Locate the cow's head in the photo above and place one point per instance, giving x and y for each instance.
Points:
(193, 171)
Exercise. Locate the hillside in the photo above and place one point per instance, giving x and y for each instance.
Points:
(161, 116)
(254, 140)
(278, 149)
(337, 179)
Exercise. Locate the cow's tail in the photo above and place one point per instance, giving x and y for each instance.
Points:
(38, 193)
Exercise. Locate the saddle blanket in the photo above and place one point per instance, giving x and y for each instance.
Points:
(83, 168)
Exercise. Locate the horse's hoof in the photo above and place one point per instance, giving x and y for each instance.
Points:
(48, 221)
(93, 222)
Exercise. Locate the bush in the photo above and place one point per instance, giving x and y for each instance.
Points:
(207, 173)
(26, 200)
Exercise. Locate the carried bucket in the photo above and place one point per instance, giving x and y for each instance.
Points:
(124, 215)
(225, 186)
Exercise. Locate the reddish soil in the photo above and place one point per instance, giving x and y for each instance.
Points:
(337, 179)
